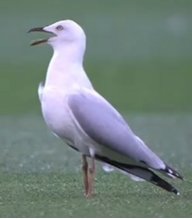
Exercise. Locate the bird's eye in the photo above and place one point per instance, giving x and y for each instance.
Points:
(60, 27)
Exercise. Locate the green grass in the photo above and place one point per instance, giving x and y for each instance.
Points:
(139, 57)
(41, 177)
(60, 195)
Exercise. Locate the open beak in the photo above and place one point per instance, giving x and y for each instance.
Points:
(40, 41)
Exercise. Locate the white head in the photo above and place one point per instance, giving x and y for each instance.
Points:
(65, 34)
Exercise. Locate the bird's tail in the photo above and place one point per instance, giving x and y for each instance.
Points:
(142, 173)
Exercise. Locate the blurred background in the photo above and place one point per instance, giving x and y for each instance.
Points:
(139, 57)
(138, 52)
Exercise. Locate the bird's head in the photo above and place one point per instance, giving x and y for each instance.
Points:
(62, 33)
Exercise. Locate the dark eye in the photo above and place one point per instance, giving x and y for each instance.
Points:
(59, 27)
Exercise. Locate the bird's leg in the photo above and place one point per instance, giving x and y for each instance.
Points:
(85, 174)
(91, 177)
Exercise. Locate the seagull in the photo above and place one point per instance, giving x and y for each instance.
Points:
(75, 112)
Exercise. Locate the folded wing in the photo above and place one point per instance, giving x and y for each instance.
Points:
(105, 125)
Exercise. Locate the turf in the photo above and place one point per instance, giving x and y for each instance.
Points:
(41, 176)
(139, 57)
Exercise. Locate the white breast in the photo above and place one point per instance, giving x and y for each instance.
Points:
(59, 119)
(55, 112)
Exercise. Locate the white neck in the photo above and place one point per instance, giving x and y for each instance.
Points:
(66, 68)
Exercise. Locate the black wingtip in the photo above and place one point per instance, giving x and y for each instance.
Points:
(155, 179)
(176, 192)
(169, 171)
(141, 172)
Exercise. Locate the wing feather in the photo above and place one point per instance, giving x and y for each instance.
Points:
(106, 126)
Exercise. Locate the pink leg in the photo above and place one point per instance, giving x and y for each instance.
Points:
(85, 174)
(91, 177)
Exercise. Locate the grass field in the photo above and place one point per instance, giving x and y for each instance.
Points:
(139, 57)
(40, 176)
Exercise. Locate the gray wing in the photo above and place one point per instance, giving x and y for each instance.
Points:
(107, 127)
